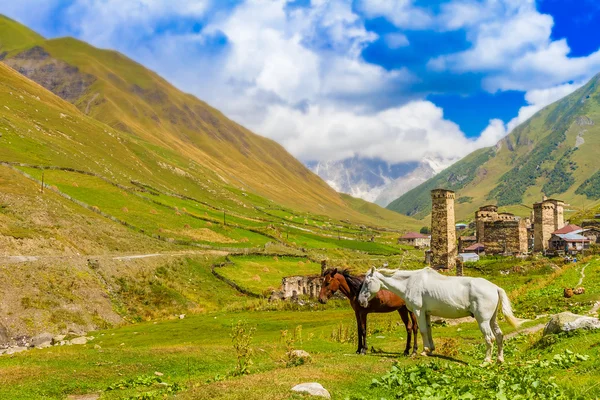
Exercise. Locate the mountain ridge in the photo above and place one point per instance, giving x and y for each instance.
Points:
(552, 153)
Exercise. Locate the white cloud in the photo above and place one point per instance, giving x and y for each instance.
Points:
(540, 98)
(402, 13)
(406, 133)
(512, 45)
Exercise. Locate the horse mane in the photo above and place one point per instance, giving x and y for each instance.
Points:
(387, 272)
(354, 282)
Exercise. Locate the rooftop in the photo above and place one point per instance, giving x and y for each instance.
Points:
(567, 229)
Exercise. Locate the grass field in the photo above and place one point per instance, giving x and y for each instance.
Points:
(195, 354)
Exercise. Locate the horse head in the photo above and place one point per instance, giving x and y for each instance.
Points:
(369, 288)
(330, 285)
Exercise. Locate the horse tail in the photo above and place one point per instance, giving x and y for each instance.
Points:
(507, 309)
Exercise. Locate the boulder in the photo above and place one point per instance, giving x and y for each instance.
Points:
(44, 345)
(312, 388)
(57, 339)
(300, 355)
(40, 339)
(79, 340)
(567, 321)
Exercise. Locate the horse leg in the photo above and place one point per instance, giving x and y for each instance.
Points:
(415, 328)
(429, 332)
(363, 322)
(408, 324)
(422, 320)
(499, 337)
(359, 330)
(484, 326)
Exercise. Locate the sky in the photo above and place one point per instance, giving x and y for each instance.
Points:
(396, 80)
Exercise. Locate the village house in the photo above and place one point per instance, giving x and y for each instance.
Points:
(476, 248)
(466, 241)
(415, 239)
(572, 242)
(592, 233)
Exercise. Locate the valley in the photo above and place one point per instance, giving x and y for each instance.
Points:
(152, 248)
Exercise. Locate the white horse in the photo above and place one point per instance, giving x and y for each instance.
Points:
(426, 293)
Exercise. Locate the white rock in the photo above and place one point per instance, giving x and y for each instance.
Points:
(567, 321)
(44, 345)
(182, 316)
(58, 338)
(42, 338)
(79, 340)
(312, 388)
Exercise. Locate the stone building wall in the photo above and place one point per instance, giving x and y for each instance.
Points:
(293, 286)
(548, 216)
(443, 229)
(485, 213)
(508, 236)
(501, 232)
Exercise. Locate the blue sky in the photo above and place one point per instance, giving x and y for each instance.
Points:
(396, 80)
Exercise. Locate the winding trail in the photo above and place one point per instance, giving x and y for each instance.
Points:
(582, 275)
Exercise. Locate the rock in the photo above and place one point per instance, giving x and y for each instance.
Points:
(4, 337)
(567, 321)
(13, 350)
(299, 355)
(158, 373)
(42, 338)
(79, 340)
(44, 345)
(58, 339)
(182, 316)
(97, 347)
(312, 388)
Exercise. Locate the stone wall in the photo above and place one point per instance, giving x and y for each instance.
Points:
(501, 232)
(443, 230)
(505, 236)
(485, 213)
(294, 286)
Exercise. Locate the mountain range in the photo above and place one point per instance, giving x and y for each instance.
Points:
(553, 154)
(375, 180)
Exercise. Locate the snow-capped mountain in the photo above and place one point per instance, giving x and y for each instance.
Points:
(375, 180)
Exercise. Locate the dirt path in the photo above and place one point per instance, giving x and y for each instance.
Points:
(582, 275)
(119, 257)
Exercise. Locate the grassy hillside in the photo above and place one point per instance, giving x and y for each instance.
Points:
(149, 131)
(554, 153)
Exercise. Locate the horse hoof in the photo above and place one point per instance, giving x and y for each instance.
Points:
(406, 353)
(500, 360)
(424, 353)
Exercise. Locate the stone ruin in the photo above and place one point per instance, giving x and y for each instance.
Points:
(300, 285)
(501, 233)
(443, 229)
(294, 286)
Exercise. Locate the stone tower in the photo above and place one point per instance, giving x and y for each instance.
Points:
(548, 216)
(443, 229)
(484, 214)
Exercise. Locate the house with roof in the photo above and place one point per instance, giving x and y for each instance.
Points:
(466, 241)
(476, 248)
(592, 233)
(415, 239)
(572, 242)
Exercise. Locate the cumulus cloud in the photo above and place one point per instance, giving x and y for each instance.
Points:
(400, 134)
(511, 44)
(296, 74)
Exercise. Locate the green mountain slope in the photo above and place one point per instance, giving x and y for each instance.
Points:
(158, 134)
(554, 153)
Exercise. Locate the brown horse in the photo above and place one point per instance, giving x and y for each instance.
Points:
(384, 302)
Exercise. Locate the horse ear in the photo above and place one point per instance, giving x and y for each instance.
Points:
(335, 271)
(372, 271)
